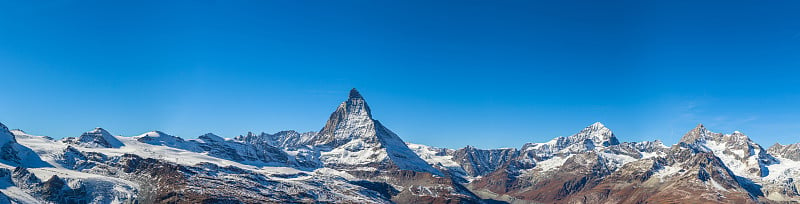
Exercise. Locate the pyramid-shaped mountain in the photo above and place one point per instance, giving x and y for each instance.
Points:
(351, 137)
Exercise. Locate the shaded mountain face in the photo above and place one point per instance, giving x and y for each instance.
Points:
(479, 162)
(5, 135)
(12, 153)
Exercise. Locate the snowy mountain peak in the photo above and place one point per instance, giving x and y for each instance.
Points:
(3, 127)
(598, 133)
(740, 153)
(98, 130)
(157, 136)
(98, 137)
(211, 137)
(154, 133)
(597, 125)
(163, 139)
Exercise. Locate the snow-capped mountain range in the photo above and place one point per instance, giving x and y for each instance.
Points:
(356, 159)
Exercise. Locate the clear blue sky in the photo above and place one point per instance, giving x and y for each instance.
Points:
(443, 73)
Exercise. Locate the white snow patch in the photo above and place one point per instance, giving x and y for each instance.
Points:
(552, 163)
(429, 155)
(666, 171)
(618, 159)
(787, 168)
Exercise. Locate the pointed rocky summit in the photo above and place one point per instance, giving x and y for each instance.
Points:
(354, 93)
(351, 119)
(351, 131)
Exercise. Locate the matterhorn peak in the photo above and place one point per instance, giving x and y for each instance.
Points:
(353, 114)
(354, 93)
(350, 130)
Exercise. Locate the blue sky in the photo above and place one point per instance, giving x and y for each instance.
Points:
(443, 73)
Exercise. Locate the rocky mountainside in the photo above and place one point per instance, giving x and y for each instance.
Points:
(356, 159)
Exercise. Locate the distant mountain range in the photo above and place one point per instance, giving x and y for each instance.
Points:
(356, 159)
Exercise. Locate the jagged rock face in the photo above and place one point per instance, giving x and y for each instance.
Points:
(571, 175)
(649, 146)
(741, 154)
(286, 138)
(289, 139)
(478, 162)
(95, 138)
(638, 150)
(286, 143)
(352, 120)
(74, 159)
(701, 178)
(56, 190)
(791, 151)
